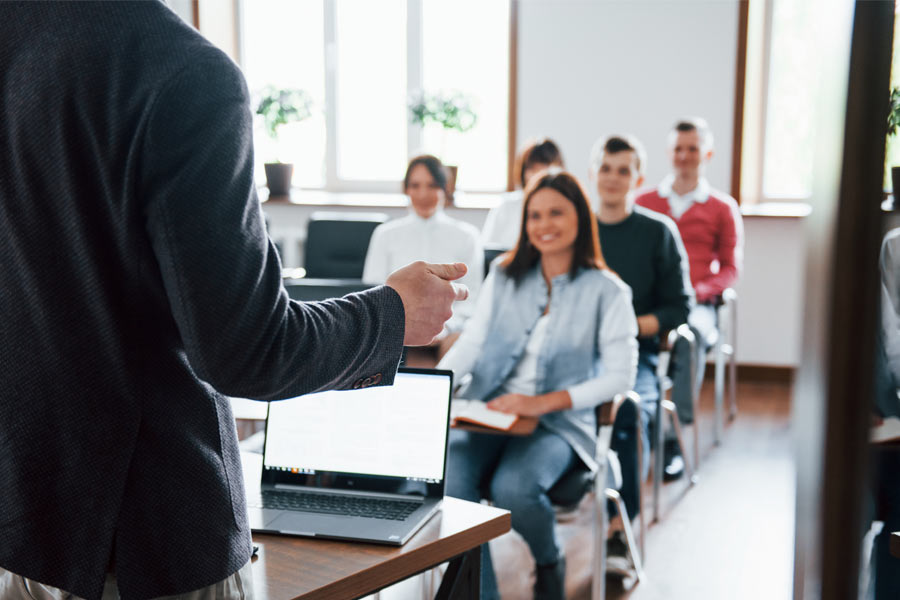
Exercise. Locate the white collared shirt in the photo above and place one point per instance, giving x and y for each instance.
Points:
(504, 222)
(439, 239)
(680, 203)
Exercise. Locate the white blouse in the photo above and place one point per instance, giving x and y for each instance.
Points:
(439, 239)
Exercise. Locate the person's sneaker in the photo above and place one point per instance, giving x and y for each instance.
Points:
(617, 562)
(673, 461)
(550, 581)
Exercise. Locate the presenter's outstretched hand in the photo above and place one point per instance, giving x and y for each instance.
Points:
(427, 291)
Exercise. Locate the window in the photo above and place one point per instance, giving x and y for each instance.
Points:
(361, 61)
(892, 150)
(791, 98)
(779, 101)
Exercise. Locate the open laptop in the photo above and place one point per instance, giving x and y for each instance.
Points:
(365, 464)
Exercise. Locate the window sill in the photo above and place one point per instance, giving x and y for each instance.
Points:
(782, 210)
(477, 201)
(301, 197)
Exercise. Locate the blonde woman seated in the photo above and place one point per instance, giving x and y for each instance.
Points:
(553, 334)
(502, 225)
(428, 234)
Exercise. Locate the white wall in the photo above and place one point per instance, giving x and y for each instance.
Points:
(589, 68)
(770, 292)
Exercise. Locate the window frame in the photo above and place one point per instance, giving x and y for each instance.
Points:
(414, 132)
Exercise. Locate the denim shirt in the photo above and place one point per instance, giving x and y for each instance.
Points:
(591, 318)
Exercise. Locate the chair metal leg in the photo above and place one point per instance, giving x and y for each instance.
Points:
(630, 542)
(601, 520)
(720, 390)
(732, 357)
(732, 386)
(726, 349)
(658, 453)
(669, 407)
(641, 513)
(695, 400)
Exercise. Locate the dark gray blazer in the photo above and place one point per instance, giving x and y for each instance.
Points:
(137, 286)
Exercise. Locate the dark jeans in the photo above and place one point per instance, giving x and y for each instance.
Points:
(702, 321)
(624, 436)
(516, 472)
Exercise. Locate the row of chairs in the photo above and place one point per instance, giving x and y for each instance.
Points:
(335, 250)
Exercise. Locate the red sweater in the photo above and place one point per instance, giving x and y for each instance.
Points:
(713, 236)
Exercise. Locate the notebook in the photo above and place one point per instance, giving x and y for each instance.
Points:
(365, 465)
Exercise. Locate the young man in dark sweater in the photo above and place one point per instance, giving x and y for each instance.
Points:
(645, 250)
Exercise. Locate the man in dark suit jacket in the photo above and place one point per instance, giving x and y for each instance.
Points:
(138, 289)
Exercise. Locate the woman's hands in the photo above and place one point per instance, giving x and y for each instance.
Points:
(531, 406)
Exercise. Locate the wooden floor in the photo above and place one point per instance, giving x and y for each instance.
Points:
(730, 536)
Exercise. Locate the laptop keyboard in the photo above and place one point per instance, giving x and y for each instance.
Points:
(336, 504)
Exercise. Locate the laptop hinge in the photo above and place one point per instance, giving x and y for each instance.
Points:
(312, 490)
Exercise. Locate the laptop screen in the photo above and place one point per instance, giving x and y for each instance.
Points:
(389, 432)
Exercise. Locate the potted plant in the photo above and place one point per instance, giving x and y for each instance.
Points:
(278, 107)
(453, 112)
(893, 124)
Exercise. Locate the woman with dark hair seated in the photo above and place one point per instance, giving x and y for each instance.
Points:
(501, 228)
(552, 335)
(427, 234)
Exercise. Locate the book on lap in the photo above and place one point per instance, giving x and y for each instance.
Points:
(477, 412)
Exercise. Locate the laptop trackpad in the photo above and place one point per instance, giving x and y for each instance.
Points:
(311, 524)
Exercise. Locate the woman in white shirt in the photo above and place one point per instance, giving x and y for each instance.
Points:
(428, 234)
(501, 228)
(552, 336)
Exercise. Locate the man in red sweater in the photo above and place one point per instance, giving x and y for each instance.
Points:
(712, 231)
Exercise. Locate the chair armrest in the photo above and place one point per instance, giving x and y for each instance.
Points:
(665, 354)
(606, 411)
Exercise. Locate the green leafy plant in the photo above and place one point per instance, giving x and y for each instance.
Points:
(278, 107)
(893, 119)
(452, 111)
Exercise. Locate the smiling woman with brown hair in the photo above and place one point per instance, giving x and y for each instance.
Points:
(553, 334)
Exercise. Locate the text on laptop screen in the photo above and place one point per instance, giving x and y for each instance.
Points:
(397, 431)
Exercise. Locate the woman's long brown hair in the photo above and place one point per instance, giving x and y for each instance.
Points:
(518, 261)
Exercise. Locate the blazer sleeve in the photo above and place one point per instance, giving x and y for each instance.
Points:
(221, 274)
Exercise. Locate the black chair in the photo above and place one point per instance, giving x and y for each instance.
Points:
(322, 289)
(336, 244)
(490, 253)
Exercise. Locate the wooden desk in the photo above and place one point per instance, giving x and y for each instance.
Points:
(290, 568)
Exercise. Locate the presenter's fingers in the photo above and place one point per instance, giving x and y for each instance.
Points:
(460, 290)
(448, 271)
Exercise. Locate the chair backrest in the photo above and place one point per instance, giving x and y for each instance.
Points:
(323, 289)
(490, 253)
(336, 244)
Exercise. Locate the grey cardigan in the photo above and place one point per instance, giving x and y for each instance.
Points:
(137, 288)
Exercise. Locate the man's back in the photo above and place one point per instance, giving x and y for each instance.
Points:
(138, 286)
